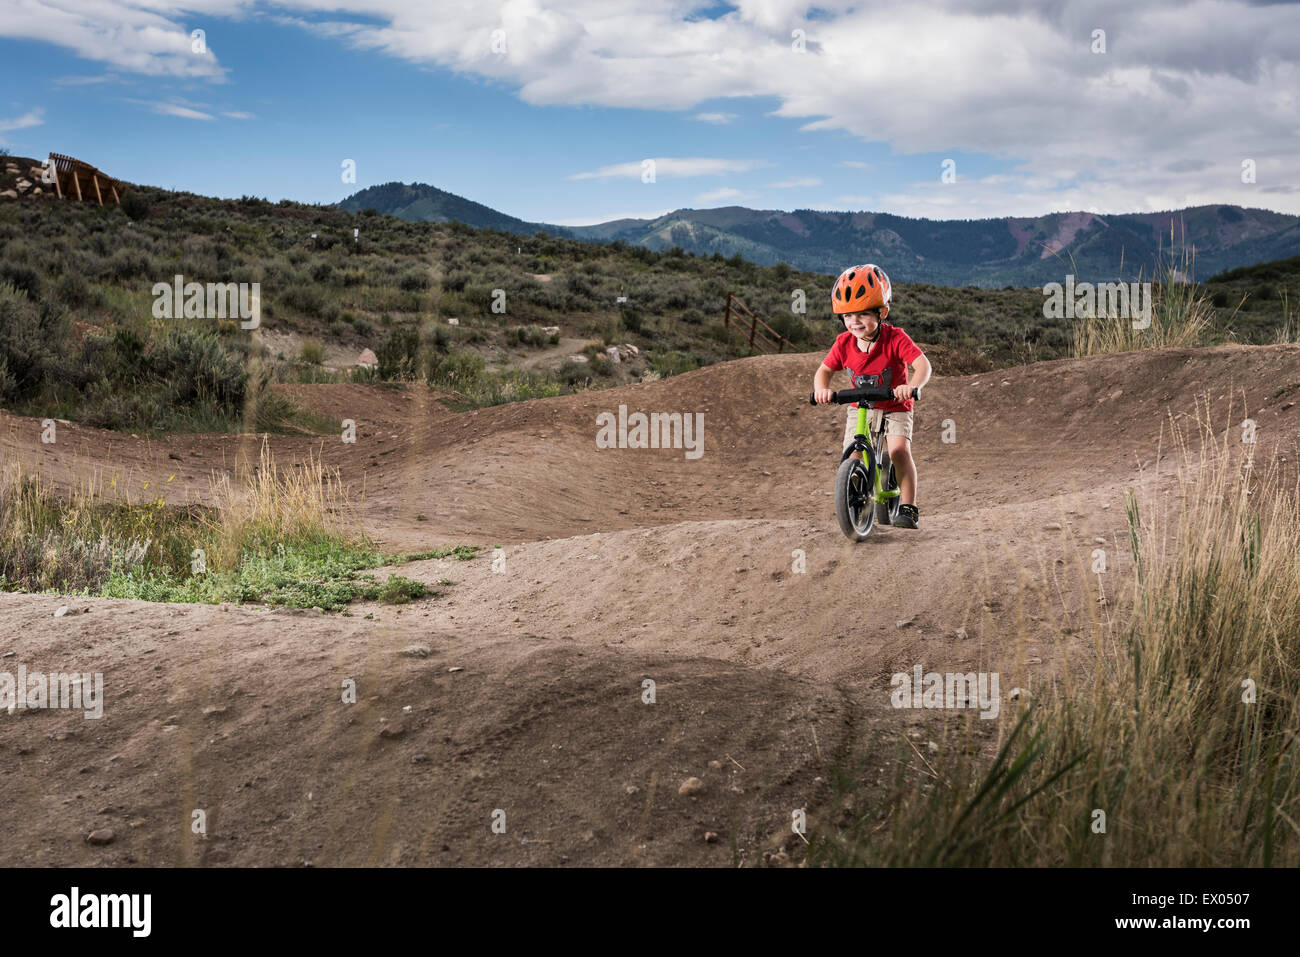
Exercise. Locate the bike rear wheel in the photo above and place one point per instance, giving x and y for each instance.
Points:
(855, 498)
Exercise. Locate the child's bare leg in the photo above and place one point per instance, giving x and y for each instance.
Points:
(850, 430)
(900, 454)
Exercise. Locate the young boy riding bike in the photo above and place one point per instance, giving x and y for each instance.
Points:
(876, 353)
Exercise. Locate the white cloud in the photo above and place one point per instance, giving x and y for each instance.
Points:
(30, 118)
(669, 166)
(85, 80)
(129, 35)
(854, 164)
(720, 119)
(796, 182)
(173, 109)
(237, 115)
(1007, 79)
(723, 194)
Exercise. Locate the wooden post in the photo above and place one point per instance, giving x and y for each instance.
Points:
(77, 182)
(116, 199)
(98, 195)
(58, 187)
(726, 319)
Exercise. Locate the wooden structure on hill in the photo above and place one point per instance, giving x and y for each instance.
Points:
(773, 341)
(74, 179)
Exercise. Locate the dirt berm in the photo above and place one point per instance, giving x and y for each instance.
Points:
(518, 695)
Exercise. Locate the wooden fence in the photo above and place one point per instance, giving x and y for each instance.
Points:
(762, 337)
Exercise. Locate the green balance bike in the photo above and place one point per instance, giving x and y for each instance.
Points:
(866, 489)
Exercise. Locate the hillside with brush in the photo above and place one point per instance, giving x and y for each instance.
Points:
(1017, 251)
(483, 315)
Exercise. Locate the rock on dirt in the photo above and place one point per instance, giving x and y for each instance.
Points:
(101, 836)
(691, 787)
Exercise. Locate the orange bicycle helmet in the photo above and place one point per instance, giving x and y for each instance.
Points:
(860, 288)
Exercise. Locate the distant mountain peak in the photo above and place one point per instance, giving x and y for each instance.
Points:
(998, 251)
(420, 202)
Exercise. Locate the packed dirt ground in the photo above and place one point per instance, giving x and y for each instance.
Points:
(769, 637)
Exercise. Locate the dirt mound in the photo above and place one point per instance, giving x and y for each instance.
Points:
(721, 578)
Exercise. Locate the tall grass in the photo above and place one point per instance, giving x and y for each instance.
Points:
(1289, 331)
(283, 536)
(303, 505)
(75, 540)
(1182, 316)
(1183, 734)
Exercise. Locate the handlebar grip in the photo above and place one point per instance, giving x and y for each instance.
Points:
(835, 397)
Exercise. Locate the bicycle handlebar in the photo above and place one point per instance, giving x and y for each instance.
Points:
(865, 394)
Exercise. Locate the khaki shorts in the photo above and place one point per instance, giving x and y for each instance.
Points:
(896, 423)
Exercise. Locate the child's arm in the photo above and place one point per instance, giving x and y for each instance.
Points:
(822, 384)
(921, 365)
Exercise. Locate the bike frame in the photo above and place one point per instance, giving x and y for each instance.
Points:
(862, 443)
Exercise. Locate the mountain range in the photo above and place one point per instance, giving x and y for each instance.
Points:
(1006, 251)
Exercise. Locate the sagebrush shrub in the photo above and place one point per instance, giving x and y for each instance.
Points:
(33, 338)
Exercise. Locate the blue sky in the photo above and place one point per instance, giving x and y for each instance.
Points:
(734, 106)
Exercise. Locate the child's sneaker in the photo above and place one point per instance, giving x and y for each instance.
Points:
(908, 517)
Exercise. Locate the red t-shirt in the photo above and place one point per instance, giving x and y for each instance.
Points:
(888, 358)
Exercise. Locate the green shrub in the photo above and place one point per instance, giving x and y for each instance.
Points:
(459, 370)
(313, 351)
(128, 264)
(32, 340)
(22, 277)
(414, 282)
(72, 289)
(304, 298)
(526, 336)
(135, 205)
(194, 365)
(398, 355)
(399, 591)
(633, 321)
(673, 363)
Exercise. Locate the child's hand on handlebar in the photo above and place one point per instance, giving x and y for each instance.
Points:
(903, 392)
(822, 395)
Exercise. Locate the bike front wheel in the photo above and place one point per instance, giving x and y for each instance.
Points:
(855, 503)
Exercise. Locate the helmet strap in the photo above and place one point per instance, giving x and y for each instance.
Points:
(876, 335)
